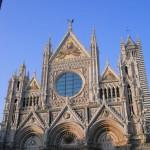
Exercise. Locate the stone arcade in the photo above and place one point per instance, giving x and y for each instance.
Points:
(75, 106)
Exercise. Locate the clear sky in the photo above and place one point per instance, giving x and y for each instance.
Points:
(26, 25)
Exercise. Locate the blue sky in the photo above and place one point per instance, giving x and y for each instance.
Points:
(26, 25)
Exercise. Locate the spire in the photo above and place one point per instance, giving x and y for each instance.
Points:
(95, 66)
(93, 39)
(49, 43)
(94, 46)
(48, 47)
(22, 69)
(47, 52)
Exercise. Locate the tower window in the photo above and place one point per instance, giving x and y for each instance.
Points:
(15, 101)
(37, 102)
(101, 93)
(30, 101)
(113, 92)
(34, 101)
(130, 99)
(109, 93)
(27, 102)
(126, 70)
(24, 103)
(18, 85)
(105, 93)
(15, 104)
(118, 92)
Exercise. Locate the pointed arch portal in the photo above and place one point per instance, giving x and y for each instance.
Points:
(106, 135)
(69, 135)
(29, 138)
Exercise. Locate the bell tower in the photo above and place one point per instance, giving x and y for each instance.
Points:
(13, 104)
(132, 89)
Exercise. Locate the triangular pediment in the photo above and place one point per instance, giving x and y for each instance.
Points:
(67, 114)
(109, 75)
(33, 84)
(106, 112)
(32, 119)
(69, 48)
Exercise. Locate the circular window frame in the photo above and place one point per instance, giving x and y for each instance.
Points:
(68, 71)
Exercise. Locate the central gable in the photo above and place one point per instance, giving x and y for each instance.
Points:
(70, 48)
(33, 85)
(109, 75)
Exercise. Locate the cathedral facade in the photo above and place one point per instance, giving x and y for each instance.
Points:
(75, 107)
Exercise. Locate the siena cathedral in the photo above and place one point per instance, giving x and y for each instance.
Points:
(75, 107)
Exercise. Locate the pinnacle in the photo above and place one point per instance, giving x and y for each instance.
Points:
(48, 47)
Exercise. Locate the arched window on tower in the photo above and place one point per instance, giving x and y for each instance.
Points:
(109, 93)
(113, 92)
(18, 85)
(34, 101)
(15, 104)
(27, 102)
(24, 102)
(31, 101)
(118, 92)
(126, 70)
(37, 102)
(133, 70)
(14, 109)
(105, 93)
(130, 99)
(101, 93)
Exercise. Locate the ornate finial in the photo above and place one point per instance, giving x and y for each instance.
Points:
(70, 22)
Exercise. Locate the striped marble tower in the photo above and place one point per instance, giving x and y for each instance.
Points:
(143, 81)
